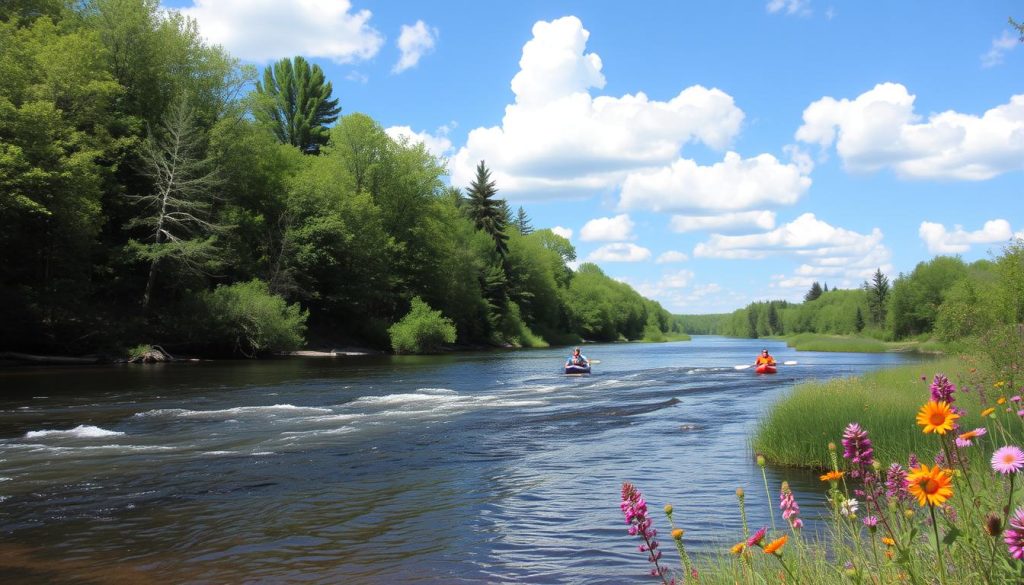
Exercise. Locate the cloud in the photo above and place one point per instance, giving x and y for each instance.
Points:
(820, 245)
(733, 184)
(357, 77)
(558, 140)
(879, 129)
(1001, 45)
(608, 229)
(764, 220)
(672, 256)
(266, 30)
(941, 241)
(438, 144)
(562, 231)
(798, 7)
(620, 252)
(414, 42)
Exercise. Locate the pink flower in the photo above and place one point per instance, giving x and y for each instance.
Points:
(757, 537)
(1014, 535)
(966, 439)
(1008, 459)
(790, 509)
(634, 508)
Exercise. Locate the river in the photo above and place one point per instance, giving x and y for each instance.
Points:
(488, 467)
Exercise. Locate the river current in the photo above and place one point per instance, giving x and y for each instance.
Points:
(489, 467)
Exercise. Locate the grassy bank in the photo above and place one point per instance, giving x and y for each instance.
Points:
(857, 344)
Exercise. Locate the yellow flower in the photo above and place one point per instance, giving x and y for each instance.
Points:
(999, 384)
(987, 412)
(936, 417)
(1001, 400)
(668, 509)
(932, 486)
(738, 548)
(776, 544)
(677, 534)
(832, 476)
(888, 541)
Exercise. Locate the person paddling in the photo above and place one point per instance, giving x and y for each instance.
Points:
(765, 359)
(577, 359)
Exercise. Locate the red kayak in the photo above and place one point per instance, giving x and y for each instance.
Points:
(765, 369)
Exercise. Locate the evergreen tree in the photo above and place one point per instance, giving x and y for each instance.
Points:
(522, 222)
(814, 293)
(296, 103)
(773, 320)
(859, 321)
(878, 293)
(488, 214)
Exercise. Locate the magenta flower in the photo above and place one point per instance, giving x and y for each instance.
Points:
(896, 482)
(757, 537)
(634, 507)
(942, 389)
(1008, 459)
(857, 446)
(790, 509)
(1014, 535)
(871, 521)
(967, 439)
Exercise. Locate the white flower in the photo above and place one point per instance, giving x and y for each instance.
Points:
(849, 508)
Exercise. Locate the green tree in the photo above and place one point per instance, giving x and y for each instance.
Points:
(877, 292)
(422, 330)
(296, 103)
(522, 222)
(176, 215)
(859, 321)
(814, 292)
(487, 213)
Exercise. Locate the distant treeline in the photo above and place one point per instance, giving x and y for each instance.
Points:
(944, 298)
(153, 191)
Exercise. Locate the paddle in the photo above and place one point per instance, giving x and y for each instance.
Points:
(595, 361)
(790, 363)
(741, 367)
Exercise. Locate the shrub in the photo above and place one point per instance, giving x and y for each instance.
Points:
(247, 319)
(422, 330)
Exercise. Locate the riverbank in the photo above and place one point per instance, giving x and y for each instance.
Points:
(859, 344)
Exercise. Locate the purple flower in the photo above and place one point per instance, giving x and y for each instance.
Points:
(942, 389)
(790, 509)
(870, 521)
(896, 482)
(634, 508)
(1014, 534)
(857, 446)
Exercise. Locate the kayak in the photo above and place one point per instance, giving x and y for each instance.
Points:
(577, 369)
(765, 369)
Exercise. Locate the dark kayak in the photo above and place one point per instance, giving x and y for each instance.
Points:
(765, 369)
(577, 369)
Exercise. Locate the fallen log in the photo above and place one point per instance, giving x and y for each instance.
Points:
(47, 359)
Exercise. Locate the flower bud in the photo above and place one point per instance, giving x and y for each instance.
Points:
(832, 447)
(908, 514)
(876, 465)
(993, 524)
(668, 509)
(739, 493)
(760, 460)
(677, 534)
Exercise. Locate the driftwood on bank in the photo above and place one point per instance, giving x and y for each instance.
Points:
(28, 358)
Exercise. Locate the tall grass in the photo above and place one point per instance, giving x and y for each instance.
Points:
(858, 344)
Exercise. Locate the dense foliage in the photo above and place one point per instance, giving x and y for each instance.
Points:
(945, 298)
(422, 330)
(151, 192)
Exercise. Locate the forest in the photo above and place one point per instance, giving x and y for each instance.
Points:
(153, 189)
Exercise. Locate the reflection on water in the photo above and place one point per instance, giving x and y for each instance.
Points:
(472, 468)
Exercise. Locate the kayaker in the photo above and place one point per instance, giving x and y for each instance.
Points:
(764, 358)
(577, 359)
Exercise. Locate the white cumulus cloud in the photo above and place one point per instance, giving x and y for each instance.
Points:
(562, 231)
(620, 252)
(607, 229)
(942, 241)
(879, 129)
(820, 245)
(764, 220)
(266, 30)
(556, 139)
(672, 256)
(414, 42)
(438, 144)
(733, 184)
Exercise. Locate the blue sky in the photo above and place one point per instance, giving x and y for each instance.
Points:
(708, 153)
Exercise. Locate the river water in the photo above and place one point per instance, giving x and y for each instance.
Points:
(488, 467)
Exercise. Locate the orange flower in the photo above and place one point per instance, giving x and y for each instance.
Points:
(888, 541)
(832, 476)
(936, 417)
(1001, 400)
(987, 412)
(776, 544)
(738, 548)
(932, 486)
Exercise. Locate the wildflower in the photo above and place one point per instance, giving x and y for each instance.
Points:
(668, 509)
(871, 522)
(634, 507)
(761, 461)
(677, 534)
(932, 486)
(965, 439)
(776, 544)
(896, 482)
(1015, 398)
(1001, 400)
(857, 446)
(936, 417)
(993, 524)
(942, 389)
(1007, 460)
(888, 541)
(738, 548)
(849, 508)
(790, 509)
(832, 476)
(999, 384)
(757, 537)
(1020, 412)
(987, 412)
(1014, 536)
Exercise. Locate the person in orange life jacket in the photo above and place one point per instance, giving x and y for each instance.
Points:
(577, 359)
(764, 358)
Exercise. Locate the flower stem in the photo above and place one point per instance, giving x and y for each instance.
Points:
(938, 547)
(771, 511)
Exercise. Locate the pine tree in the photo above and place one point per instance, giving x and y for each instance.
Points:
(814, 293)
(488, 214)
(522, 222)
(296, 103)
(877, 292)
(859, 321)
